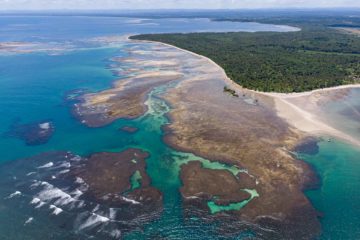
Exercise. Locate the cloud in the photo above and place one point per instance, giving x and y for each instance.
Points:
(165, 4)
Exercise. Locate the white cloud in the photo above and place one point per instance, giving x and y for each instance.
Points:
(163, 4)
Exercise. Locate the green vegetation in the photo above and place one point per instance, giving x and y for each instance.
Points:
(319, 56)
(230, 91)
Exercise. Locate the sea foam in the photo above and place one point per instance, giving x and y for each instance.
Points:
(44, 126)
(47, 165)
(51, 193)
(17, 193)
(30, 219)
(93, 221)
(130, 200)
(56, 209)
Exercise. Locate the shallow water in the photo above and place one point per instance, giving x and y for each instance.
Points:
(338, 166)
(344, 113)
(35, 87)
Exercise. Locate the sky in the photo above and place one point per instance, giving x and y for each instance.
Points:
(172, 4)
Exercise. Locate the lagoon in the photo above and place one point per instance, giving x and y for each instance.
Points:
(43, 85)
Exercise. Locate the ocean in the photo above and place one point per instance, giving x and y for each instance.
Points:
(72, 58)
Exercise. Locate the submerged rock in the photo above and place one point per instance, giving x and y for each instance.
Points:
(129, 129)
(87, 195)
(308, 145)
(108, 178)
(36, 133)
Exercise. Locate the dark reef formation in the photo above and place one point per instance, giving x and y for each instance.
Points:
(108, 177)
(129, 129)
(308, 145)
(91, 196)
(35, 133)
(230, 130)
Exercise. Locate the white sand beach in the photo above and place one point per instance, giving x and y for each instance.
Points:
(298, 117)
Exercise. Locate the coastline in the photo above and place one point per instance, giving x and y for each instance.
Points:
(233, 134)
(301, 119)
(155, 147)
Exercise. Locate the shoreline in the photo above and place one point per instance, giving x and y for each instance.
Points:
(295, 116)
(274, 173)
(271, 94)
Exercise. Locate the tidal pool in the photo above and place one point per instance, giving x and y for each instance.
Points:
(41, 85)
(214, 208)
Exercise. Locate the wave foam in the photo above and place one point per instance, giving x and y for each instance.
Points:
(130, 200)
(47, 165)
(79, 180)
(93, 221)
(17, 193)
(38, 202)
(35, 201)
(51, 193)
(64, 171)
(64, 165)
(112, 213)
(76, 193)
(30, 219)
(45, 126)
(76, 158)
(115, 234)
(56, 209)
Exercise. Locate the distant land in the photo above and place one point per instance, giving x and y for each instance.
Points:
(323, 54)
(224, 124)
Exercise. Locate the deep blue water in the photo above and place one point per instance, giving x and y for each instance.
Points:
(33, 87)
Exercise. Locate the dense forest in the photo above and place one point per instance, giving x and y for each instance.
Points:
(318, 56)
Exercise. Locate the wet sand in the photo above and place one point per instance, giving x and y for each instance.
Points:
(218, 126)
(289, 106)
(355, 31)
(127, 97)
(244, 131)
(303, 111)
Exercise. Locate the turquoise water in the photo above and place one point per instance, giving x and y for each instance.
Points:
(33, 87)
(214, 208)
(163, 167)
(338, 166)
(344, 113)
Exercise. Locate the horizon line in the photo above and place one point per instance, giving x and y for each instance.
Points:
(183, 9)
